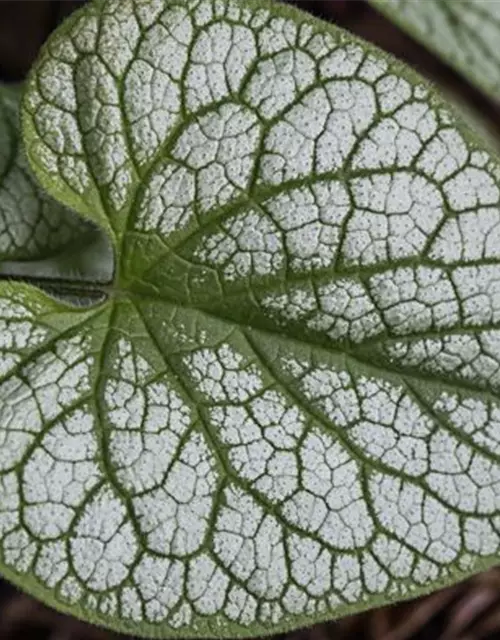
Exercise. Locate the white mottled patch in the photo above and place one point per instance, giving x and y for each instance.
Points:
(219, 60)
(103, 545)
(375, 577)
(175, 517)
(340, 309)
(311, 565)
(473, 358)
(241, 606)
(261, 439)
(250, 544)
(182, 617)
(392, 427)
(479, 291)
(396, 141)
(347, 577)
(250, 244)
(52, 563)
(342, 62)
(160, 585)
(19, 550)
(470, 188)
(18, 332)
(463, 479)
(394, 556)
(331, 503)
(413, 300)
(278, 80)
(71, 590)
(332, 390)
(167, 204)
(223, 375)
(152, 92)
(9, 503)
(219, 150)
(467, 237)
(207, 585)
(473, 416)
(310, 220)
(59, 474)
(420, 520)
(392, 92)
(317, 135)
(393, 218)
(148, 419)
(444, 155)
(480, 537)
(20, 421)
(101, 129)
(131, 604)
(60, 378)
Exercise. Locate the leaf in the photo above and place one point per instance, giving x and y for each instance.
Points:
(287, 409)
(464, 33)
(32, 225)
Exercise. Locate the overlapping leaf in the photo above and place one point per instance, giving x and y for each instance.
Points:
(288, 408)
(464, 33)
(32, 225)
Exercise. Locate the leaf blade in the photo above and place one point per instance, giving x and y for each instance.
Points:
(304, 255)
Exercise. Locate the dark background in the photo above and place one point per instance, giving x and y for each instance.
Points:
(470, 611)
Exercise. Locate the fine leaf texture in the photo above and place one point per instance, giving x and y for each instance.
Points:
(464, 33)
(287, 408)
(32, 225)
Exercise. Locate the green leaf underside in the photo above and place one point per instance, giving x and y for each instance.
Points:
(32, 225)
(287, 409)
(464, 33)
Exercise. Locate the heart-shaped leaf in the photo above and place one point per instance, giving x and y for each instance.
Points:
(464, 33)
(287, 409)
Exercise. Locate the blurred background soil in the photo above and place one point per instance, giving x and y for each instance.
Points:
(470, 611)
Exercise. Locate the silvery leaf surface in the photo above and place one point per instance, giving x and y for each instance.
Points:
(287, 409)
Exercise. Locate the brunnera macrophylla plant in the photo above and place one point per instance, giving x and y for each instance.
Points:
(284, 406)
